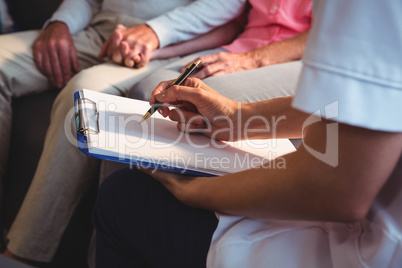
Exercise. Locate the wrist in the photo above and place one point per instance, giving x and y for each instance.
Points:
(194, 194)
(247, 111)
(251, 60)
(254, 124)
(243, 115)
(155, 39)
(259, 58)
(56, 24)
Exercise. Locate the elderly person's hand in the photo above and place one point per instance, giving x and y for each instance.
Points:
(55, 54)
(130, 46)
(228, 62)
(224, 63)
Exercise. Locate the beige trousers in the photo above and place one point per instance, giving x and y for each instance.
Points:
(63, 172)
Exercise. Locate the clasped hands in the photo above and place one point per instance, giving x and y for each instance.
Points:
(130, 46)
(55, 54)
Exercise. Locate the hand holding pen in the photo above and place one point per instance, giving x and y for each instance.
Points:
(202, 109)
(189, 70)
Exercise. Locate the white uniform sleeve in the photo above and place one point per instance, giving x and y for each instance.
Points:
(353, 64)
(75, 13)
(186, 22)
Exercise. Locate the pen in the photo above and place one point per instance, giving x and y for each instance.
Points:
(182, 77)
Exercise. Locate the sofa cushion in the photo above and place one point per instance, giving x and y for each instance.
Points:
(31, 14)
(6, 22)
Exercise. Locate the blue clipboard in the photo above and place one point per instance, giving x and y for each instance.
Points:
(83, 129)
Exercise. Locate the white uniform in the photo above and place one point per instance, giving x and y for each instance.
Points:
(352, 74)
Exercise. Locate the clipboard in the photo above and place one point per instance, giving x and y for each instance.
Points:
(108, 128)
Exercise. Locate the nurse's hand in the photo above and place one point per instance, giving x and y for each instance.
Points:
(201, 109)
(180, 185)
(55, 54)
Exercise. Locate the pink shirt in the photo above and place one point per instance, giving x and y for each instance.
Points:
(271, 21)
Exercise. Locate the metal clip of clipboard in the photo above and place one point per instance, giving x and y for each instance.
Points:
(86, 116)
